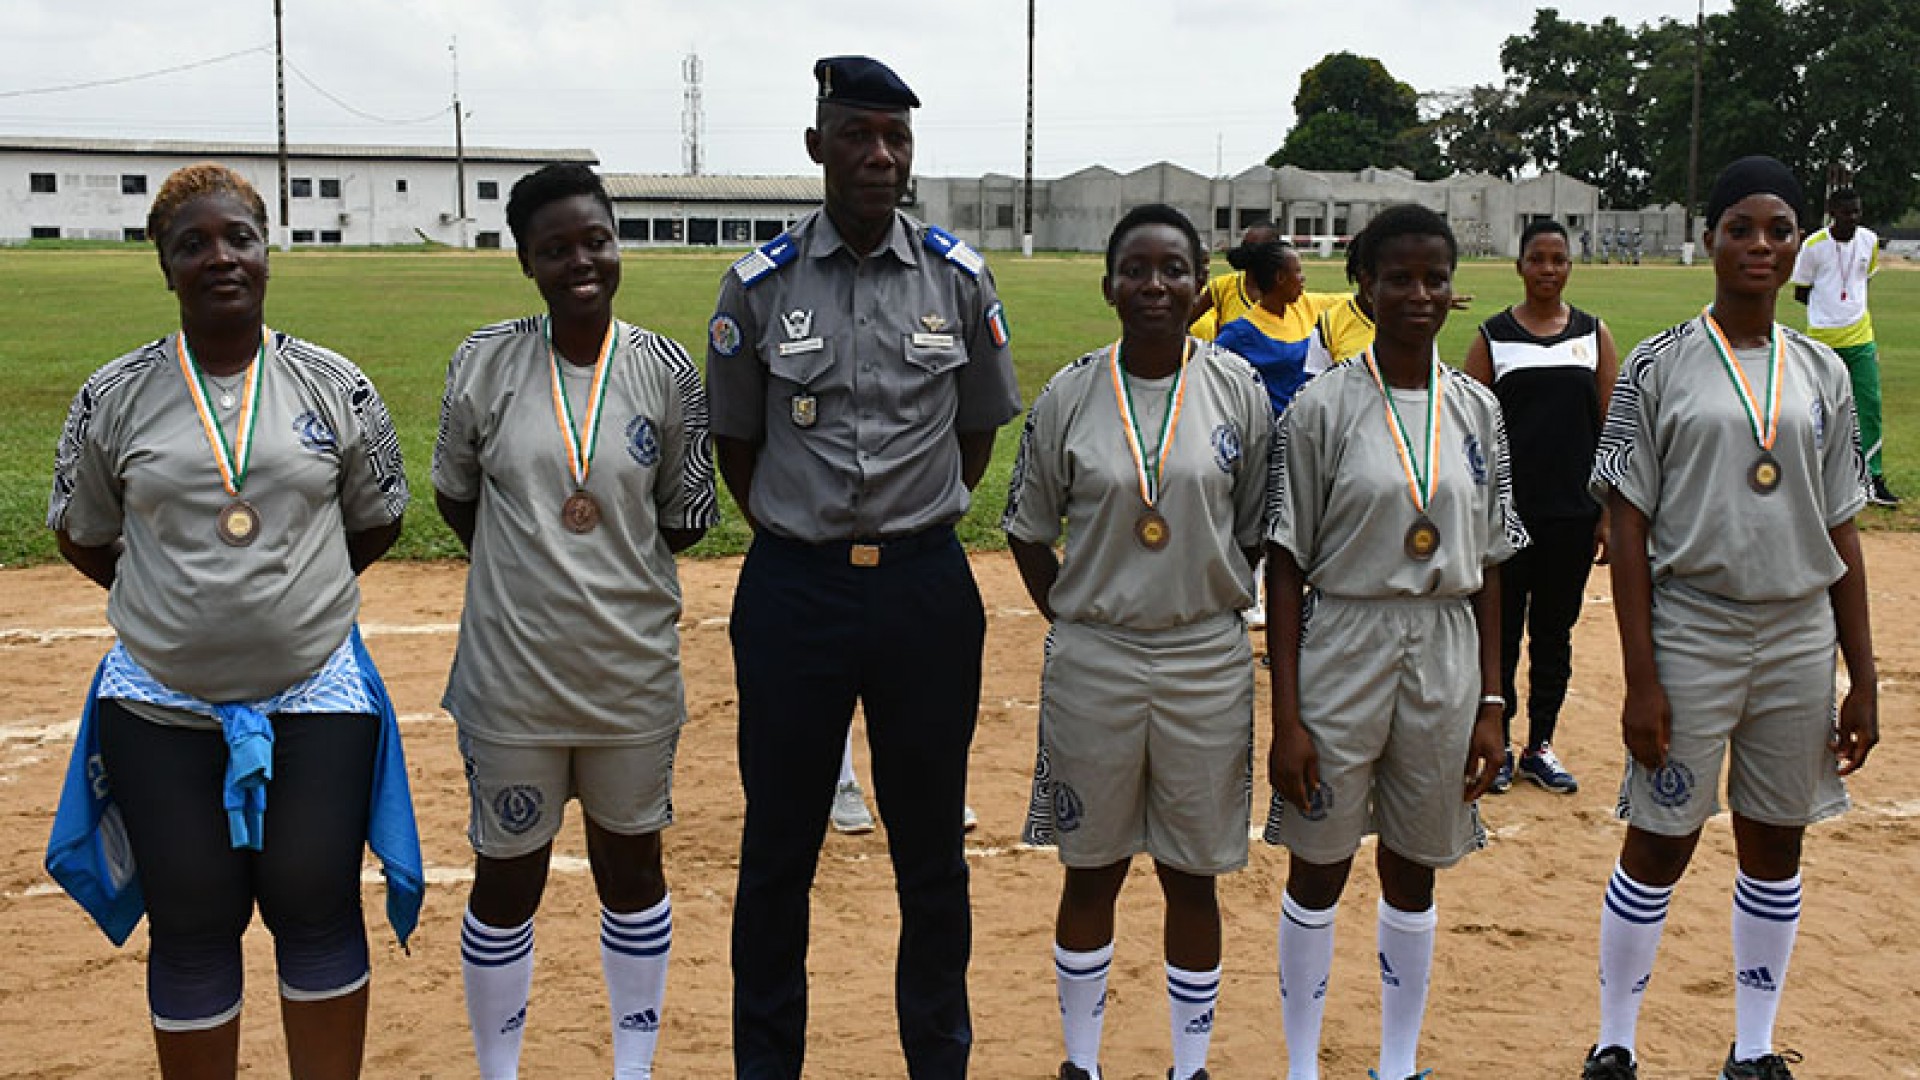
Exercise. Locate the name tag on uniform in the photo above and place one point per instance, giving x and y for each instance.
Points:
(933, 341)
(807, 345)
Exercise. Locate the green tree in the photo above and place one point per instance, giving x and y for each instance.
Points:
(1351, 113)
(1579, 99)
(1473, 131)
(1861, 104)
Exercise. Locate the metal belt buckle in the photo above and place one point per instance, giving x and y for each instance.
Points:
(864, 555)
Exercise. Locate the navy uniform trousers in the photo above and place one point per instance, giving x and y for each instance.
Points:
(812, 633)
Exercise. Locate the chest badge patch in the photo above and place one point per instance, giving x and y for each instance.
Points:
(797, 323)
(934, 322)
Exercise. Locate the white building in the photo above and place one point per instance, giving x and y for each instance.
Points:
(100, 189)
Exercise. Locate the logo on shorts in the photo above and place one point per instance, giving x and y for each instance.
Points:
(644, 1020)
(643, 442)
(314, 434)
(723, 333)
(1817, 412)
(1320, 803)
(1067, 811)
(1672, 785)
(1226, 448)
(1476, 463)
(518, 808)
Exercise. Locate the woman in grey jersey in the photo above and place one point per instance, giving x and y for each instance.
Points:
(1731, 466)
(572, 463)
(1153, 452)
(226, 484)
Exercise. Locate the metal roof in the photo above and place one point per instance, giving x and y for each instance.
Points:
(737, 189)
(183, 148)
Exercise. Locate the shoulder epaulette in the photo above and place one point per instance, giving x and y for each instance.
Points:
(953, 249)
(765, 259)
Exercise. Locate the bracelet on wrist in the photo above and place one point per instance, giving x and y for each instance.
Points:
(1493, 699)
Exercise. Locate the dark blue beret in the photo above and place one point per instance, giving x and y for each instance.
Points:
(862, 82)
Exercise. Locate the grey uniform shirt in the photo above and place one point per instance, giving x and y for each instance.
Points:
(217, 622)
(1678, 446)
(1074, 465)
(1341, 503)
(571, 638)
(853, 376)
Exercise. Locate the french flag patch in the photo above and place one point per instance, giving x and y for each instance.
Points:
(997, 324)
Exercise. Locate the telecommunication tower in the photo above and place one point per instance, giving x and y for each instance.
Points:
(692, 122)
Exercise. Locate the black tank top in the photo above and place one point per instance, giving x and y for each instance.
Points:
(1549, 393)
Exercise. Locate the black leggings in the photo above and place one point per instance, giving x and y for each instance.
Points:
(1541, 589)
(200, 890)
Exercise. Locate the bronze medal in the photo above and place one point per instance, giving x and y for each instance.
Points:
(580, 513)
(806, 410)
(1152, 531)
(1423, 539)
(238, 524)
(1764, 476)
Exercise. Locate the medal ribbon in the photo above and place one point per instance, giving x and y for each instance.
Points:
(1123, 397)
(231, 460)
(1763, 417)
(580, 442)
(1420, 479)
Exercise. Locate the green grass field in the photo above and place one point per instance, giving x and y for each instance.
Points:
(64, 313)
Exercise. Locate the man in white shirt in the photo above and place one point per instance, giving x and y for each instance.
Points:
(1831, 279)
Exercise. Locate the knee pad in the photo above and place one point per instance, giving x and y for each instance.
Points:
(194, 985)
(322, 960)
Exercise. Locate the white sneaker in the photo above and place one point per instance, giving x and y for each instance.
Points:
(969, 820)
(850, 814)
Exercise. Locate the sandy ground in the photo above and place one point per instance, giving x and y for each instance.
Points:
(1514, 990)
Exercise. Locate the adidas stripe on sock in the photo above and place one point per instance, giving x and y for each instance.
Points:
(1191, 997)
(1766, 918)
(634, 949)
(1080, 978)
(1306, 960)
(497, 968)
(1631, 922)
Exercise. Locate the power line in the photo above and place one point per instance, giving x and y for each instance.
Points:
(362, 114)
(176, 69)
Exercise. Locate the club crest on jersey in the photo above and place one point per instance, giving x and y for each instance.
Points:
(1067, 811)
(643, 442)
(314, 434)
(723, 333)
(1476, 462)
(1672, 785)
(1226, 447)
(518, 808)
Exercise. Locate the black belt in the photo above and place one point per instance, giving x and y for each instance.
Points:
(864, 552)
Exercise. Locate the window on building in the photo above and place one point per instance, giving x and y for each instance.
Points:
(42, 183)
(1250, 217)
(668, 230)
(329, 236)
(1223, 217)
(133, 183)
(134, 234)
(487, 240)
(45, 232)
(329, 187)
(300, 187)
(1003, 216)
(488, 189)
(634, 230)
(764, 231)
(704, 231)
(303, 236)
(966, 215)
(736, 231)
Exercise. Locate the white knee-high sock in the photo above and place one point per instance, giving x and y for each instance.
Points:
(1406, 966)
(1081, 981)
(497, 967)
(1306, 960)
(1766, 918)
(1630, 926)
(1191, 996)
(634, 949)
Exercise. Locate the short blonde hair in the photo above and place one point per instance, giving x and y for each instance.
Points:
(191, 182)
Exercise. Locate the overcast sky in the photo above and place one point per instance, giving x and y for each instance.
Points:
(1207, 84)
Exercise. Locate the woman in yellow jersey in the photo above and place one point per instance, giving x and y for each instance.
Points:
(1228, 296)
(1273, 335)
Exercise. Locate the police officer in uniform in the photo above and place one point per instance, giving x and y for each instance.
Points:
(858, 370)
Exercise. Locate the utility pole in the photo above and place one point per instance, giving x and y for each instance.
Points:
(1026, 237)
(1687, 238)
(280, 105)
(459, 144)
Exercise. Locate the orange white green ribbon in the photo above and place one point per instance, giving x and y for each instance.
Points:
(1421, 478)
(580, 441)
(1762, 415)
(1149, 475)
(231, 460)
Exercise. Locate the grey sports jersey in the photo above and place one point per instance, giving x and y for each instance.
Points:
(1678, 446)
(229, 623)
(1074, 464)
(1341, 502)
(565, 637)
(853, 376)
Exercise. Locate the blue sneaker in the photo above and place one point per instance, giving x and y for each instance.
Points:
(1542, 767)
(1503, 776)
